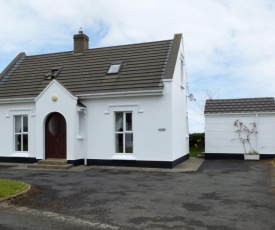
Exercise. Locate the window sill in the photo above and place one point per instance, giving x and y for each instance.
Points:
(123, 157)
(20, 154)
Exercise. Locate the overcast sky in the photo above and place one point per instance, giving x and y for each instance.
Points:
(229, 44)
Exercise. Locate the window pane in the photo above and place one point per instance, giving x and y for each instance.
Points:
(119, 143)
(114, 68)
(128, 121)
(119, 122)
(25, 123)
(18, 124)
(129, 143)
(52, 125)
(62, 125)
(25, 142)
(17, 142)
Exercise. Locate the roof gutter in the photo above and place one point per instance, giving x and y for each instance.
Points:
(94, 95)
(120, 94)
(17, 100)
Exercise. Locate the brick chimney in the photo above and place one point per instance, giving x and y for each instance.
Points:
(81, 42)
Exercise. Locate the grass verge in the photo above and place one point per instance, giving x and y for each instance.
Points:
(11, 187)
(193, 152)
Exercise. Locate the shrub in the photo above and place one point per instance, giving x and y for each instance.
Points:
(197, 140)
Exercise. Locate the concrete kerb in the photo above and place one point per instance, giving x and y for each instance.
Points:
(16, 195)
(190, 165)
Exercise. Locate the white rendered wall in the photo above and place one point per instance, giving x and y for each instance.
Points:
(7, 113)
(150, 115)
(180, 136)
(266, 134)
(66, 105)
(220, 135)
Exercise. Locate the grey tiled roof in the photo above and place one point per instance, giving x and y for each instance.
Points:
(242, 105)
(145, 65)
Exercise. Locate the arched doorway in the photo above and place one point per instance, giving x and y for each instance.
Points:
(55, 133)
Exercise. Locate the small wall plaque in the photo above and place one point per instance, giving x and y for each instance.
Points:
(162, 129)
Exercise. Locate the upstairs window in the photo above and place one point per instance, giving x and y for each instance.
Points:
(114, 68)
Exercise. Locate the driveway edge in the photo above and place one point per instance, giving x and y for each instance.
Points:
(16, 195)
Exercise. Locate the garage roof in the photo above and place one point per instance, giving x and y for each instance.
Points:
(242, 105)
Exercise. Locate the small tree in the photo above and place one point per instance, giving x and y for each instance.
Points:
(210, 94)
(244, 134)
(196, 138)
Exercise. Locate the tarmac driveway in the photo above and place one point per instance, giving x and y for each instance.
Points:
(220, 195)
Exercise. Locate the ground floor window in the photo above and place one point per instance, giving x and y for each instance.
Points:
(21, 133)
(123, 132)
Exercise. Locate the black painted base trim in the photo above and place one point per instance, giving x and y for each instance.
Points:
(128, 163)
(233, 156)
(180, 160)
(143, 164)
(76, 162)
(24, 160)
(267, 156)
(223, 156)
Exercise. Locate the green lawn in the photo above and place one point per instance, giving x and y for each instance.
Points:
(193, 152)
(11, 187)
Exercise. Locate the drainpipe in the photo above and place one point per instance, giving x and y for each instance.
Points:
(257, 137)
(85, 138)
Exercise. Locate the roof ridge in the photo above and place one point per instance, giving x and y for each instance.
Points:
(103, 47)
(235, 99)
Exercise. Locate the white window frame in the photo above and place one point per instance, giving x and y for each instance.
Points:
(124, 132)
(20, 133)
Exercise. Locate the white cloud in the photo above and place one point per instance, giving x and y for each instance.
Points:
(229, 44)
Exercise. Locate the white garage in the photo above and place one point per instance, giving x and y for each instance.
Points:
(235, 127)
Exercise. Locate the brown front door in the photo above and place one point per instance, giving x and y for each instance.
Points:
(55, 131)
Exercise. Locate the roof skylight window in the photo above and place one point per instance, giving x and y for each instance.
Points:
(114, 68)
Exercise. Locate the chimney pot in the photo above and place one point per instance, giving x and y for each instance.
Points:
(80, 30)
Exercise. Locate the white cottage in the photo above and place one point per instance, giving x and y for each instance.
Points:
(121, 105)
(225, 139)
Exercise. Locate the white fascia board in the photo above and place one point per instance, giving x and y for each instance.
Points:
(226, 114)
(17, 100)
(62, 87)
(167, 80)
(120, 94)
